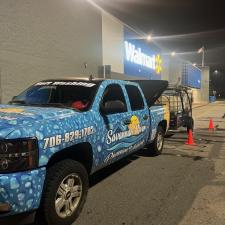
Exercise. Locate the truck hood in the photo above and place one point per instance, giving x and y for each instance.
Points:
(12, 117)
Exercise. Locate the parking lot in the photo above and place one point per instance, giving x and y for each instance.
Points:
(112, 112)
(185, 185)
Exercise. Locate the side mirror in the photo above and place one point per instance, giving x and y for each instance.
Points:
(112, 107)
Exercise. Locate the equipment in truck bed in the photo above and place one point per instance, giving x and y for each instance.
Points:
(179, 99)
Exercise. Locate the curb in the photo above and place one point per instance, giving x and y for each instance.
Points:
(199, 106)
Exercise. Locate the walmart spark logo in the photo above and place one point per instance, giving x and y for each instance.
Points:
(158, 64)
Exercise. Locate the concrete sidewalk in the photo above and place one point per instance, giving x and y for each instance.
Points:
(209, 204)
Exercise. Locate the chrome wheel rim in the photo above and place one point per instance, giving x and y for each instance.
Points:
(68, 196)
(159, 141)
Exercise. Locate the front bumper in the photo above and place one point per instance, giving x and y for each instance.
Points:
(19, 219)
(21, 192)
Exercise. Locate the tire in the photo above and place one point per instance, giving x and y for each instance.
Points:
(156, 148)
(66, 182)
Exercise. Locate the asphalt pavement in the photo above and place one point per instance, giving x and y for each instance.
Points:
(184, 186)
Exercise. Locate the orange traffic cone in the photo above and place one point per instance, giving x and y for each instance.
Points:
(190, 140)
(211, 125)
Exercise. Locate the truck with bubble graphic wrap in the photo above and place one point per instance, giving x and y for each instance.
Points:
(58, 132)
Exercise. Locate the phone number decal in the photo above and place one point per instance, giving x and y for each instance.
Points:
(67, 137)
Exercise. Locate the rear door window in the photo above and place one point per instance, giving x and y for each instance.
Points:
(135, 97)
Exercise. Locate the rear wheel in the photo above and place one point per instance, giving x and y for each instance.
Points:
(64, 194)
(156, 146)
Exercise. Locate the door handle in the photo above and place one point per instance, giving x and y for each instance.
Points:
(145, 117)
(127, 122)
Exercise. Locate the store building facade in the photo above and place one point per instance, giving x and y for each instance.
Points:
(53, 38)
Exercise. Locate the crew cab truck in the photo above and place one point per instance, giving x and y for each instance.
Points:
(58, 132)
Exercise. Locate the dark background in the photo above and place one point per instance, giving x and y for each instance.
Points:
(183, 26)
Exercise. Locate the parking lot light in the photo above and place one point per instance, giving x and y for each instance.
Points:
(149, 37)
(173, 53)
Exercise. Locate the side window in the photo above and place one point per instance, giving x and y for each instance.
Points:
(113, 100)
(135, 97)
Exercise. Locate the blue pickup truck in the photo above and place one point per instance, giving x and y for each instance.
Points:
(58, 132)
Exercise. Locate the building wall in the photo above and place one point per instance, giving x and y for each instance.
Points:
(172, 69)
(165, 67)
(196, 93)
(121, 76)
(175, 71)
(202, 95)
(112, 43)
(42, 39)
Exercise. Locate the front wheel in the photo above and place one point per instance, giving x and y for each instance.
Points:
(64, 193)
(156, 146)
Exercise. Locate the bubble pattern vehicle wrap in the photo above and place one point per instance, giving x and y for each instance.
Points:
(22, 190)
(58, 128)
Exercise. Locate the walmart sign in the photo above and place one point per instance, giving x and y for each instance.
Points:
(135, 55)
(141, 59)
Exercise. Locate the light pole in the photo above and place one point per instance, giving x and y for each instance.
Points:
(202, 50)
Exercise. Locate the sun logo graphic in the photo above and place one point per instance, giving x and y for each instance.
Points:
(134, 126)
(158, 64)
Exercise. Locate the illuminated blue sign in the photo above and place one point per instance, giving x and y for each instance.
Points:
(191, 76)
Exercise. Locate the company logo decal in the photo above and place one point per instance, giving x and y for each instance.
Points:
(135, 55)
(62, 83)
(134, 129)
(113, 155)
(134, 126)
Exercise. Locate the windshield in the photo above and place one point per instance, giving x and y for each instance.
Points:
(77, 95)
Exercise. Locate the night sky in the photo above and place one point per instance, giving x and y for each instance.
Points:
(183, 26)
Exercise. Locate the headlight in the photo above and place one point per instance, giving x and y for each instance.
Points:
(18, 155)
